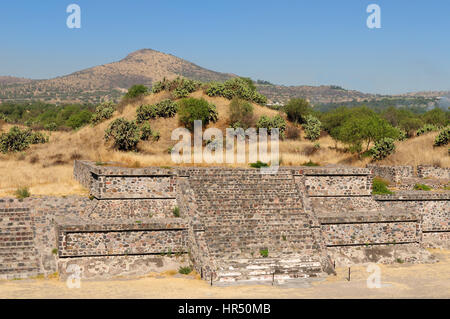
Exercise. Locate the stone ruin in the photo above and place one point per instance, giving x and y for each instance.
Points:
(230, 224)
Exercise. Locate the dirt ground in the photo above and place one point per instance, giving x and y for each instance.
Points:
(397, 281)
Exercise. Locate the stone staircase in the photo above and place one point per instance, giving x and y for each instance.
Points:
(18, 256)
(244, 214)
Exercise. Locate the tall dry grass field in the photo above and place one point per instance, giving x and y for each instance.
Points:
(47, 169)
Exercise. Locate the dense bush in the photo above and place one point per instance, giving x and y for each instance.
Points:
(147, 133)
(297, 109)
(136, 91)
(191, 109)
(443, 138)
(80, 119)
(179, 87)
(402, 135)
(17, 140)
(51, 126)
(241, 113)
(103, 111)
(166, 108)
(41, 115)
(146, 112)
(124, 133)
(383, 148)
(269, 123)
(38, 138)
(242, 88)
(426, 129)
(312, 128)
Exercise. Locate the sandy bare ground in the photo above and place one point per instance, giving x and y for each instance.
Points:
(397, 281)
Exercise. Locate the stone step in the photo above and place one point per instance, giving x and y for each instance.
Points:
(263, 269)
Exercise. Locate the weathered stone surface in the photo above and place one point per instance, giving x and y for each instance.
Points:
(236, 224)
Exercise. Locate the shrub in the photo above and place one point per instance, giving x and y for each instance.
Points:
(22, 192)
(242, 88)
(146, 132)
(15, 140)
(426, 128)
(176, 211)
(258, 164)
(50, 127)
(124, 133)
(443, 138)
(264, 253)
(269, 123)
(185, 270)
(402, 135)
(241, 112)
(146, 112)
(422, 187)
(38, 138)
(215, 89)
(379, 187)
(258, 98)
(180, 87)
(312, 127)
(156, 136)
(310, 163)
(383, 148)
(297, 109)
(103, 111)
(166, 108)
(136, 91)
(191, 109)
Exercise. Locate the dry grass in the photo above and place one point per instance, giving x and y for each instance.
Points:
(48, 169)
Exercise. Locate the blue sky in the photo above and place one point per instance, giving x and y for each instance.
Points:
(285, 42)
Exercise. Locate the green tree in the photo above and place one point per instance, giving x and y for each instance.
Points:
(80, 119)
(365, 128)
(241, 113)
(297, 109)
(136, 91)
(192, 109)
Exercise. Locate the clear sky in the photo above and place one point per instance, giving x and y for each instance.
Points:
(310, 42)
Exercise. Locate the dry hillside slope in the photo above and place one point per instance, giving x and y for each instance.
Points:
(47, 168)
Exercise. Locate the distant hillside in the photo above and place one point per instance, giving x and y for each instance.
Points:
(110, 80)
(315, 94)
(12, 79)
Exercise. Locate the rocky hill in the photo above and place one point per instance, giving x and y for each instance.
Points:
(110, 81)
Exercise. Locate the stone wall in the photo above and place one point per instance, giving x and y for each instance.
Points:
(425, 171)
(142, 238)
(434, 208)
(392, 173)
(303, 216)
(370, 229)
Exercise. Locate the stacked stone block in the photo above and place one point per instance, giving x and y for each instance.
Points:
(18, 256)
